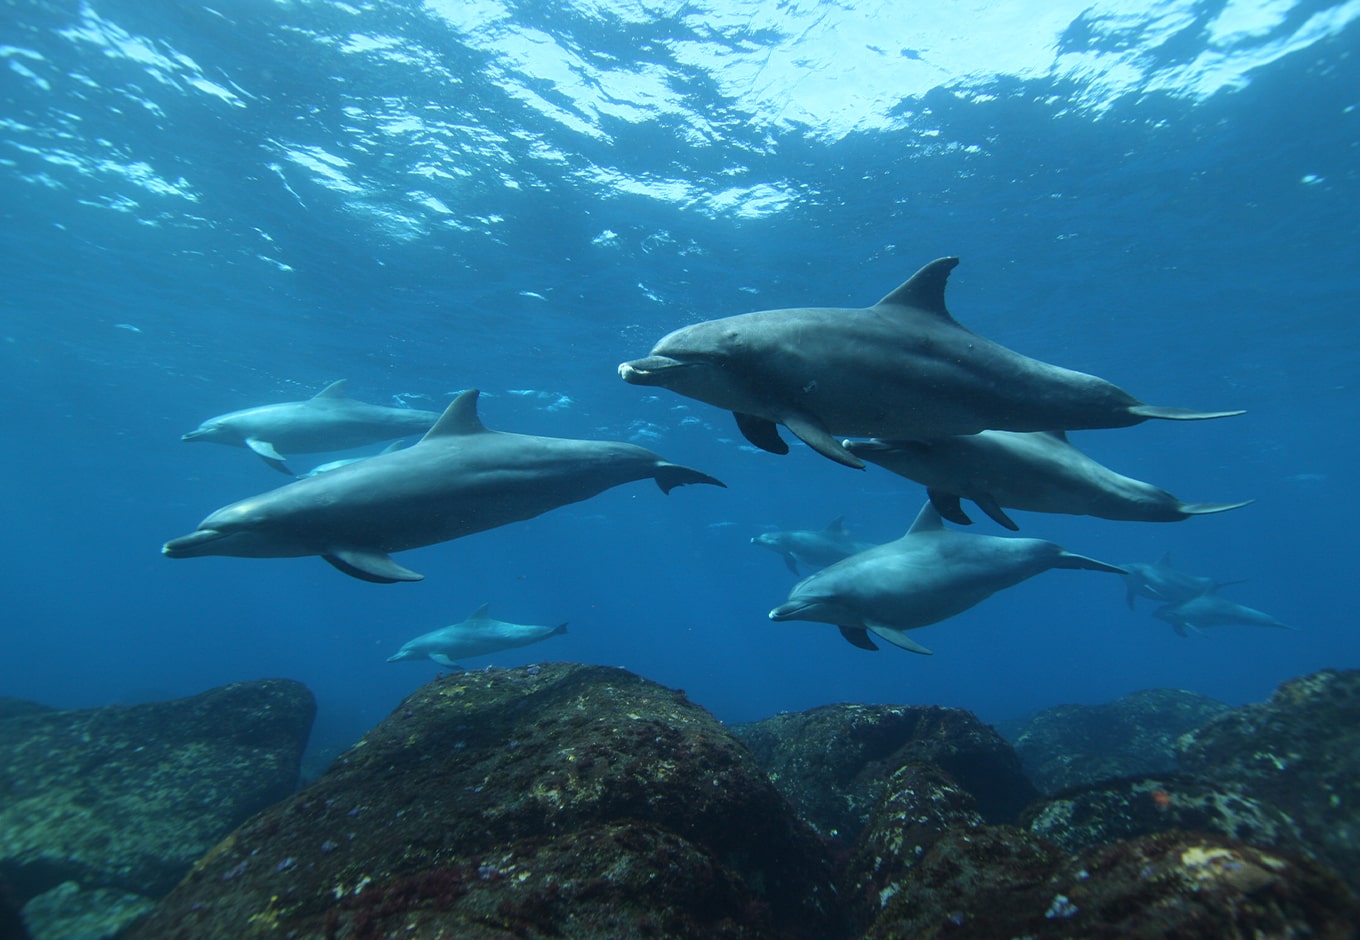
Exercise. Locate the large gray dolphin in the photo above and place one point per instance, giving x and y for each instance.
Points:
(1210, 610)
(327, 421)
(1038, 471)
(815, 548)
(1162, 582)
(926, 576)
(479, 635)
(460, 478)
(901, 369)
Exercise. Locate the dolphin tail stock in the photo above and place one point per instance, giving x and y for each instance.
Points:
(1081, 562)
(670, 475)
(1179, 414)
(1205, 509)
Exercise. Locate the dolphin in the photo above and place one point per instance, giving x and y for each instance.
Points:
(903, 369)
(458, 479)
(1039, 471)
(815, 548)
(478, 635)
(926, 576)
(327, 421)
(1161, 582)
(330, 465)
(1210, 610)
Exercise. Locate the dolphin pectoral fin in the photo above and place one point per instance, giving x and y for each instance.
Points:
(670, 475)
(444, 660)
(1179, 414)
(988, 504)
(1204, 509)
(1130, 592)
(268, 454)
(761, 432)
(858, 636)
(899, 639)
(1072, 560)
(371, 566)
(815, 435)
(947, 505)
(792, 564)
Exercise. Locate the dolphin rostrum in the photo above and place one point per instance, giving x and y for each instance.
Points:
(1210, 610)
(1038, 471)
(1162, 582)
(903, 369)
(325, 422)
(479, 635)
(460, 478)
(815, 548)
(926, 576)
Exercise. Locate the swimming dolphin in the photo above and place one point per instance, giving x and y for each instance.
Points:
(327, 421)
(1161, 582)
(1210, 610)
(1039, 471)
(478, 635)
(902, 369)
(926, 576)
(815, 548)
(330, 465)
(460, 478)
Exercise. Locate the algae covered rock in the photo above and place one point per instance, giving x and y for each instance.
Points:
(554, 800)
(833, 762)
(994, 882)
(69, 912)
(1071, 745)
(1299, 751)
(129, 797)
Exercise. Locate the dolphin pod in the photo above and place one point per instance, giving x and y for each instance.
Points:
(327, 421)
(460, 478)
(903, 369)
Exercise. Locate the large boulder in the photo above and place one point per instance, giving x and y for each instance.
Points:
(128, 798)
(1300, 752)
(833, 762)
(1072, 745)
(555, 800)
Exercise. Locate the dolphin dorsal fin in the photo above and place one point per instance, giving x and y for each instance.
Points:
(927, 520)
(481, 612)
(459, 418)
(837, 526)
(1057, 436)
(334, 390)
(925, 289)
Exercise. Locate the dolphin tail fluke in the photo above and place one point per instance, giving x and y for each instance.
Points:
(1072, 560)
(1179, 414)
(1205, 509)
(559, 629)
(670, 475)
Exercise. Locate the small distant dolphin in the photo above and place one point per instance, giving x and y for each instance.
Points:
(815, 548)
(1038, 471)
(1161, 582)
(926, 576)
(327, 421)
(903, 369)
(1210, 610)
(478, 635)
(460, 478)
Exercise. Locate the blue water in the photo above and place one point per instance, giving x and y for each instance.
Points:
(208, 208)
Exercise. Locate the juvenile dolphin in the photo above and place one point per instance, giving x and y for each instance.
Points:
(902, 369)
(1210, 610)
(460, 478)
(926, 576)
(1038, 471)
(478, 635)
(815, 548)
(1162, 582)
(327, 421)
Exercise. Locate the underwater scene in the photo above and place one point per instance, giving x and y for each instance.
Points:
(679, 468)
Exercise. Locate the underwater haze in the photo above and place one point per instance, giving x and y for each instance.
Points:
(211, 207)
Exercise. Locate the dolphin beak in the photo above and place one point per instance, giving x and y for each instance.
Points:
(194, 435)
(789, 610)
(193, 544)
(648, 371)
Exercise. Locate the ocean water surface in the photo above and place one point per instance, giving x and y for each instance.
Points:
(213, 206)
